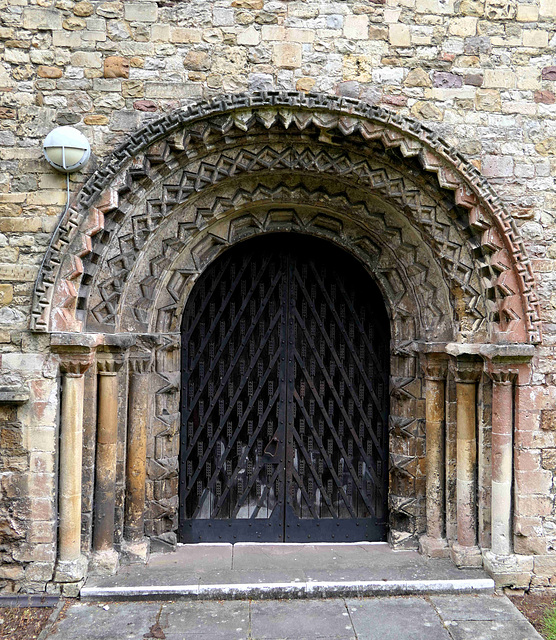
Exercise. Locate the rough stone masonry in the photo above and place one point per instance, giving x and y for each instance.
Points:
(472, 81)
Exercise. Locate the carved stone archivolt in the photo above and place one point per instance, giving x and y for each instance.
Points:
(178, 141)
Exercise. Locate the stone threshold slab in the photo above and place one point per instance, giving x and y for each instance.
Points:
(290, 590)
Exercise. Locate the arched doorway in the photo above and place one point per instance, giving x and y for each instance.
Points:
(285, 369)
(186, 189)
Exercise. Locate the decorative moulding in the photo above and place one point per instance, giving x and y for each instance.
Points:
(14, 394)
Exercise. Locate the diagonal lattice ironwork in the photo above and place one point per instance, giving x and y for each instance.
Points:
(284, 403)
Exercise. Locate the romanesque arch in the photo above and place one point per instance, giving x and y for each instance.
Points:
(447, 257)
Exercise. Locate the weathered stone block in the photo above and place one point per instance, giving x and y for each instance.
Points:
(83, 9)
(141, 11)
(11, 572)
(249, 37)
(547, 9)
(41, 19)
(473, 79)
(445, 80)
(145, 105)
(356, 27)
(248, 4)
(74, 24)
(20, 273)
(527, 13)
(197, 61)
(499, 78)
(426, 110)
(6, 294)
(86, 59)
(488, 100)
(40, 571)
(181, 35)
(287, 55)
(111, 9)
(72, 39)
(173, 90)
(498, 166)
(418, 78)
(116, 67)
(463, 27)
(548, 419)
(399, 35)
(545, 97)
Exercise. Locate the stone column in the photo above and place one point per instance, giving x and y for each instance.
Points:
(502, 460)
(75, 359)
(508, 366)
(466, 552)
(139, 405)
(434, 369)
(108, 365)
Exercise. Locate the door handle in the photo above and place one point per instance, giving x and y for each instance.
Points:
(271, 448)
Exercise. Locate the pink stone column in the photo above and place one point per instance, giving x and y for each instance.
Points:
(502, 460)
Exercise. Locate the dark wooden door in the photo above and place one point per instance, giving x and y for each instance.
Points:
(285, 349)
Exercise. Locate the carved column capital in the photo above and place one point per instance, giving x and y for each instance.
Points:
(466, 369)
(76, 351)
(109, 363)
(74, 364)
(502, 376)
(141, 362)
(434, 366)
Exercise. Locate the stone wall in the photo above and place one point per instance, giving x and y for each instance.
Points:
(481, 73)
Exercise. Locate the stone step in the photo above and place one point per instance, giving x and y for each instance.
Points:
(296, 571)
(289, 590)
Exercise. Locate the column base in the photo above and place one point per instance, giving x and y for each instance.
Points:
(71, 570)
(135, 551)
(434, 547)
(104, 563)
(466, 557)
(72, 589)
(509, 571)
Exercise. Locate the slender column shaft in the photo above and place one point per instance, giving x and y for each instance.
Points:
(434, 425)
(502, 456)
(139, 404)
(71, 449)
(106, 457)
(466, 463)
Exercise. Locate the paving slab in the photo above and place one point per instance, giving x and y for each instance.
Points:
(298, 620)
(205, 620)
(121, 620)
(490, 630)
(396, 619)
(475, 607)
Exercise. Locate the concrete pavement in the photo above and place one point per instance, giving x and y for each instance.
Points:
(459, 617)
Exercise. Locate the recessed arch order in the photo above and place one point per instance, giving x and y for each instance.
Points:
(445, 253)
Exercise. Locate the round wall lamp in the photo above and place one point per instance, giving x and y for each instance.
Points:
(66, 149)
